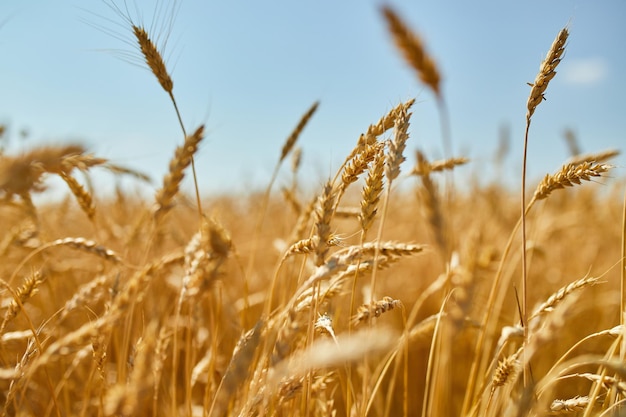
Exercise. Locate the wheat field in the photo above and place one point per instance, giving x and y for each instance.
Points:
(386, 291)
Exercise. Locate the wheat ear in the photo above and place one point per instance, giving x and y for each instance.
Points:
(601, 156)
(546, 72)
(432, 205)
(373, 131)
(178, 164)
(568, 176)
(376, 308)
(370, 196)
(413, 50)
(153, 58)
(323, 216)
(85, 201)
(439, 166)
(295, 134)
(23, 293)
(551, 303)
(358, 164)
(571, 405)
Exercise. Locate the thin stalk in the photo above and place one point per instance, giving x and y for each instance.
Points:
(524, 260)
(193, 163)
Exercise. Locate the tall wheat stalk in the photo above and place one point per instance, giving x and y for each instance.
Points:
(539, 86)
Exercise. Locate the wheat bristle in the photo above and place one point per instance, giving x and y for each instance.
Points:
(384, 124)
(596, 157)
(396, 147)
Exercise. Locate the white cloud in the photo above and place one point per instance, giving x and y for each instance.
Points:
(585, 71)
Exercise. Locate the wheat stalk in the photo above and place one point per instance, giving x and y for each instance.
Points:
(546, 73)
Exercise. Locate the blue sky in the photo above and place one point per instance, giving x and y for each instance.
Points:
(249, 70)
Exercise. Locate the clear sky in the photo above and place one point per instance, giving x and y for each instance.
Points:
(250, 69)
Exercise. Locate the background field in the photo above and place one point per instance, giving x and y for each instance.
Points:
(395, 285)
